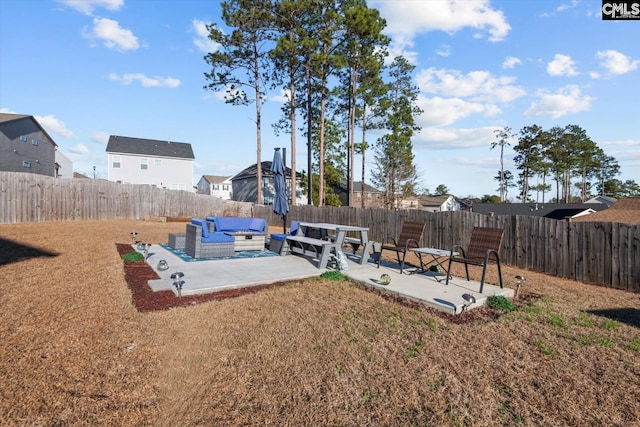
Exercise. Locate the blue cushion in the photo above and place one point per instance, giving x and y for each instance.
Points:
(203, 224)
(217, 237)
(230, 223)
(257, 224)
(278, 236)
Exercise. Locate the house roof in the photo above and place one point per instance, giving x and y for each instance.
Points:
(149, 147)
(216, 179)
(570, 213)
(357, 187)
(531, 209)
(626, 210)
(252, 171)
(609, 201)
(427, 201)
(8, 117)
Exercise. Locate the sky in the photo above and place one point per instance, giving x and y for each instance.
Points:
(87, 69)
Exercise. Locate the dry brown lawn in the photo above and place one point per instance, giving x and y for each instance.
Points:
(75, 351)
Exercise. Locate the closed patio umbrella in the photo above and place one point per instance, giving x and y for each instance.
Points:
(280, 204)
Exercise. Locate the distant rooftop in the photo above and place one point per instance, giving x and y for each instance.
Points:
(149, 147)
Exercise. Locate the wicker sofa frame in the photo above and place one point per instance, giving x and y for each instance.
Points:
(195, 248)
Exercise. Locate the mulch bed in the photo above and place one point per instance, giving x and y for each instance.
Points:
(137, 275)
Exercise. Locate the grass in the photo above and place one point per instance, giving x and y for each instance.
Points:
(74, 350)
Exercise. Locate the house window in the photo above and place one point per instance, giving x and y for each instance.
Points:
(216, 187)
(116, 162)
(23, 138)
(157, 163)
(34, 142)
(26, 164)
(144, 164)
(225, 187)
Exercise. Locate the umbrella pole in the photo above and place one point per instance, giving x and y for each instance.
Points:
(284, 224)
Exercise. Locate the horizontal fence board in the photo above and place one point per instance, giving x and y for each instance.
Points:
(606, 254)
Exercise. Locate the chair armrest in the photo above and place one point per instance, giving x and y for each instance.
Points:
(459, 249)
(389, 239)
(409, 242)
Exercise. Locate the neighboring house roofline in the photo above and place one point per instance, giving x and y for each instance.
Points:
(149, 147)
(216, 179)
(8, 117)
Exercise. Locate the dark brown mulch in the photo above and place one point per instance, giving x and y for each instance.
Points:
(137, 275)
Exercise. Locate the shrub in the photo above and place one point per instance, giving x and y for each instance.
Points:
(501, 303)
(133, 257)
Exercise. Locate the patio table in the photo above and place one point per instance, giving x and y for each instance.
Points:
(340, 235)
(435, 260)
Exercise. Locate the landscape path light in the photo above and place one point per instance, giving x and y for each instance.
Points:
(146, 250)
(469, 300)
(520, 280)
(178, 282)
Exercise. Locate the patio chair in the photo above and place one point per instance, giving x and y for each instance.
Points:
(483, 250)
(410, 237)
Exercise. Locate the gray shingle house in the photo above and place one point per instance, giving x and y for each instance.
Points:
(26, 147)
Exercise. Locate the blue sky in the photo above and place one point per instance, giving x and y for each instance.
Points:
(87, 69)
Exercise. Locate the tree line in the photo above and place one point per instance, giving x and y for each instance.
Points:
(330, 59)
(565, 156)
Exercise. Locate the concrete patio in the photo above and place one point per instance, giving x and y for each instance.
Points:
(202, 277)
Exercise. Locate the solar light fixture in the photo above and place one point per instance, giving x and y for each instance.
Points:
(163, 265)
(177, 281)
(134, 234)
(520, 279)
(385, 279)
(146, 250)
(469, 300)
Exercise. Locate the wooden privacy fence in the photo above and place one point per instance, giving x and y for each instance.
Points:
(28, 197)
(606, 254)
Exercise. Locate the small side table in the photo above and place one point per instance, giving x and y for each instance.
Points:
(177, 240)
(247, 241)
(435, 260)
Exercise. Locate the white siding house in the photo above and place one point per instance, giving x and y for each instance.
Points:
(163, 164)
(443, 203)
(217, 186)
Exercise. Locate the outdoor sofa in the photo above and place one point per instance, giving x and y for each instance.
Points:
(232, 224)
(200, 242)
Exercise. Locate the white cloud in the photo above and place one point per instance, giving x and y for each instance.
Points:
(565, 101)
(443, 50)
(477, 85)
(616, 63)
(112, 35)
(450, 138)
(87, 6)
(407, 18)
(510, 62)
(202, 40)
(283, 97)
(79, 149)
(562, 65)
(100, 137)
(54, 126)
(413, 16)
(439, 111)
(145, 81)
